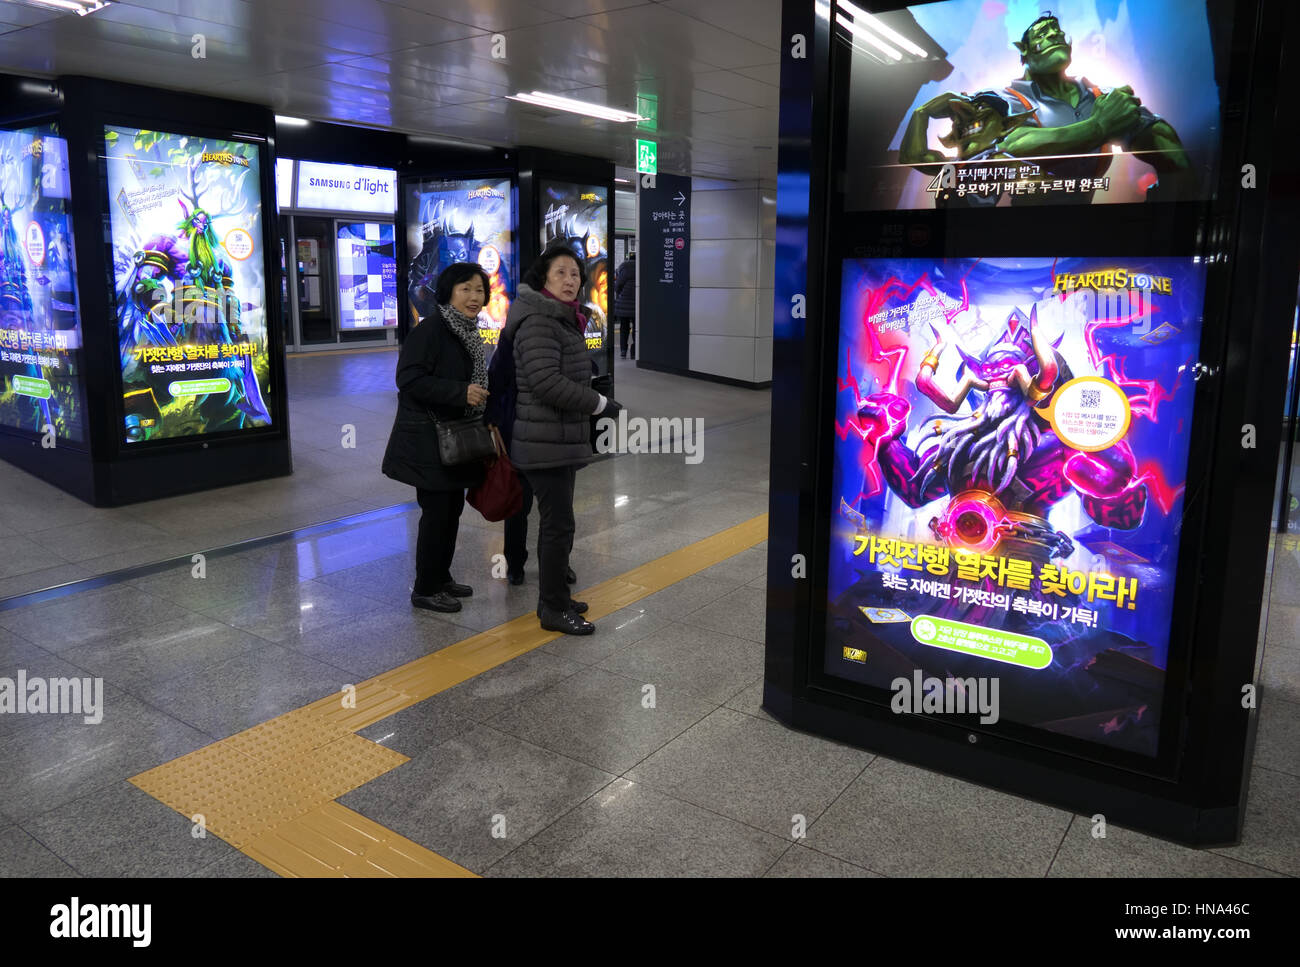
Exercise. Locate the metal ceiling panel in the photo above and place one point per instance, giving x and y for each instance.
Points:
(426, 66)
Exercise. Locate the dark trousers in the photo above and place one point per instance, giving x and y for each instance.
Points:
(554, 490)
(625, 326)
(517, 529)
(436, 544)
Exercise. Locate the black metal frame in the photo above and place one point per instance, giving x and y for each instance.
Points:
(1195, 792)
(404, 255)
(537, 165)
(108, 472)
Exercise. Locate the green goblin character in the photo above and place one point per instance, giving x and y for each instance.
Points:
(1061, 116)
(979, 121)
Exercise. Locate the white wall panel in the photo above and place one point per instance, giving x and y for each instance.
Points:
(725, 263)
(730, 356)
(762, 360)
(625, 211)
(723, 312)
(766, 263)
(724, 214)
(763, 313)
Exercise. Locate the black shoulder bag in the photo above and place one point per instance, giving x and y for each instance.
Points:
(464, 441)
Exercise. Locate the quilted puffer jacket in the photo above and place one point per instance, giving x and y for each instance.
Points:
(553, 377)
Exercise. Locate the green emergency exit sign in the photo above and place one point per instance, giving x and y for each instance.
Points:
(646, 156)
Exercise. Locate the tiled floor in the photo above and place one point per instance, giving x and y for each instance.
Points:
(642, 750)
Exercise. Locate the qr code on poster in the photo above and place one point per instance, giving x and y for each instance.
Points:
(1090, 399)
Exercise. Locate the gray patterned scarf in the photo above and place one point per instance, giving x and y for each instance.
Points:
(466, 330)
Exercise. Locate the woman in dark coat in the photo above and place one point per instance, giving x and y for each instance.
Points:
(440, 374)
(552, 430)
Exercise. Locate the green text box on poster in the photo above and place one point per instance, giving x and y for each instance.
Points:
(32, 386)
(198, 387)
(995, 643)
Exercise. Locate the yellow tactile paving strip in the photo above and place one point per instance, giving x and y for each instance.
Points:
(269, 791)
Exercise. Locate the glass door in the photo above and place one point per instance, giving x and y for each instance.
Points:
(317, 280)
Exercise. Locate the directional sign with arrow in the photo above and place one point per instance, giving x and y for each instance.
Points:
(680, 199)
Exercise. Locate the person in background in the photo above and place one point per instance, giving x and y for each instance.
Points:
(625, 304)
(441, 374)
(551, 435)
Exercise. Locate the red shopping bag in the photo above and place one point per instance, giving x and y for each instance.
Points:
(500, 495)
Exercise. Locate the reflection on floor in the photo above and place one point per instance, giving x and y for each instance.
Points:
(551, 762)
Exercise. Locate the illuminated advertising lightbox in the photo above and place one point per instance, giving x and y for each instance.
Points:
(186, 216)
(1010, 455)
(41, 383)
(462, 221)
(346, 188)
(367, 276)
(578, 216)
(1024, 107)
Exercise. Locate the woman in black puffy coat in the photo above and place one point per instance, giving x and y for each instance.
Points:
(551, 437)
(440, 375)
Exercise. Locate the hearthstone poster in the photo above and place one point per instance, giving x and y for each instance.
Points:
(461, 221)
(578, 216)
(1030, 103)
(40, 330)
(186, 217)
(1010, 457)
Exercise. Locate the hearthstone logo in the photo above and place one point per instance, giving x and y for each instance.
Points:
(590, 196)
(1114, 279)
(484, 192)
(224, 158)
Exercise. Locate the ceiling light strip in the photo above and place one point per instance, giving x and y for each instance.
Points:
(867, 37)
(862, 18)
(543, 99)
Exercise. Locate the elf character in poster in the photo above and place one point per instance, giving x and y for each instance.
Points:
(180, 299)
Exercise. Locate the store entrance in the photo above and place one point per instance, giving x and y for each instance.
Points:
(344, 280)
(317, 320)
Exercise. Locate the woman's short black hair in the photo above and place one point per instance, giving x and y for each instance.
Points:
(453, 275)
(535, 277)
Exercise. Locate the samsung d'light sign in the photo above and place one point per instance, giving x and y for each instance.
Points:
(346, 188)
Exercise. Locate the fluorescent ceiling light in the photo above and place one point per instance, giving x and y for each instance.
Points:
(865, 20)
(542, 99)
(79, 7)
(623, 181)
(866, 36)
(291, 122)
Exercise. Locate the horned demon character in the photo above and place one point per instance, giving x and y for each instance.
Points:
(445, 243)
(1000, 463)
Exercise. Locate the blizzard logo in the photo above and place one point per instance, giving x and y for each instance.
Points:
(102, 920)
(950, 696)
(53, 696)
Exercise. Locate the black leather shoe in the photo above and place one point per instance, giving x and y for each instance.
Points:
(436, 602)
(577, 607)
(457, 590)
(515, 577)
(567, 622)
(570, 577)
